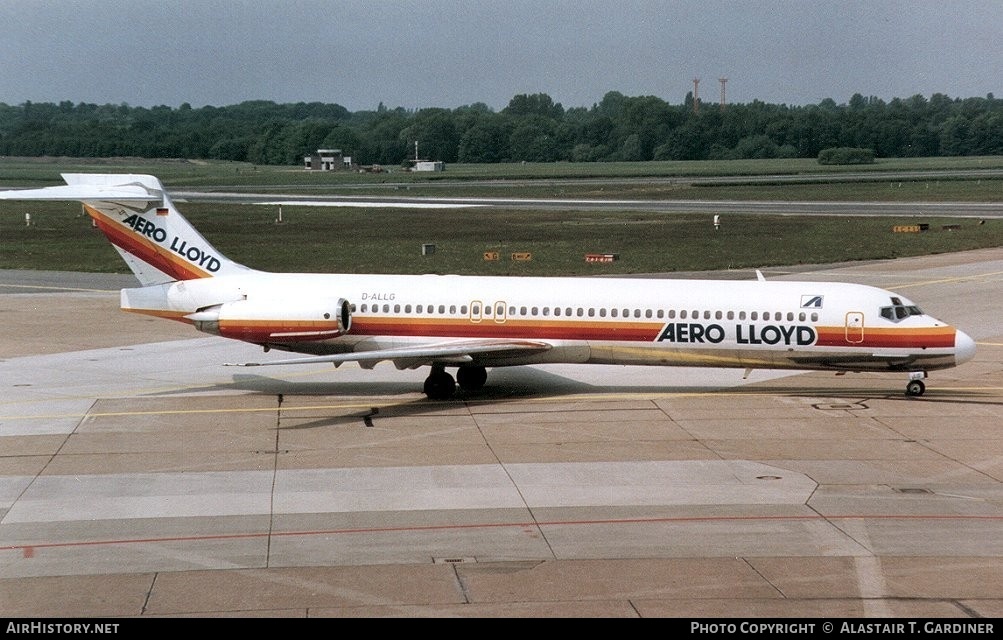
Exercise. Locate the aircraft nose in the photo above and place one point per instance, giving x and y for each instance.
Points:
(964, 347)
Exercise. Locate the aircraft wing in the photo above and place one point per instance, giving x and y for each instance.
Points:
(454, 353)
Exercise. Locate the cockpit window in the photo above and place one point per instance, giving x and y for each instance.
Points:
(899, 311)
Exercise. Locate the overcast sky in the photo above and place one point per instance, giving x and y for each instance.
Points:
(449, 53)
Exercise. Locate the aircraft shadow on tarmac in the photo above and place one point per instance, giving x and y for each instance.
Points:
(514, 383)
(527, 383)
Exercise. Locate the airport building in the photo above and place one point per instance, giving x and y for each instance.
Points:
(327, 160)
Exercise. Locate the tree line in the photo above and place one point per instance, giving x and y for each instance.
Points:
(531, 128)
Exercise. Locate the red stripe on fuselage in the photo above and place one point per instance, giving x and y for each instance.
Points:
(896, 338)
(285, 331)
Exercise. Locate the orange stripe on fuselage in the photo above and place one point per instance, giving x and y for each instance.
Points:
(145, 249)
(892, 338)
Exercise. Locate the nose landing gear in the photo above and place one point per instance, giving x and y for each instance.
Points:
(915, 386)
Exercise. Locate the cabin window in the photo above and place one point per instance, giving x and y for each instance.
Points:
(731, 315)
(754, 315)
(592, 312)
(682, 314)
(475, 309)
(581, 312)
(522, 311)
(463, 310)
(741, 315)
(637, 313)
(452, 308)
(801, 317)
(557, 311)
(790, 316)
(602, 312)
(546, 311)
(567, 311)
(511, 311)
(442, 308)
(613, 312)
(535, 310)
(814, 316)
(672, 314)
(647, 313)
(397, 308)
(660, 313)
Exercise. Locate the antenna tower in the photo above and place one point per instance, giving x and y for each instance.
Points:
(696, 95)
(722, 81)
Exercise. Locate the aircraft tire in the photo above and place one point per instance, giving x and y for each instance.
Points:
(915, 388)
(439, 385)
(471, 378)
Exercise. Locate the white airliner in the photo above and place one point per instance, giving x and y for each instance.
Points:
(473, 322)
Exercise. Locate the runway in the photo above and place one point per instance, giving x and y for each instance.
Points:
(909, 210)
(141, 478)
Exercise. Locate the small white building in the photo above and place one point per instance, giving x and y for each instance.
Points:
(429, 165)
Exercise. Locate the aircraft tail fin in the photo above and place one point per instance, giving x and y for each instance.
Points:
(136, 215)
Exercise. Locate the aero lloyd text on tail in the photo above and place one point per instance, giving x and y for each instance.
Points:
(139, 219)
(195, 255)
(472, 323)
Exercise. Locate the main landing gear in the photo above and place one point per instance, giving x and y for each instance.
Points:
(439, 385)
(915, 386)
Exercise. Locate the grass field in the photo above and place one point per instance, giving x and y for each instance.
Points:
(383, 240)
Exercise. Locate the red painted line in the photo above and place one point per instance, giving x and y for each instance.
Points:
(29, 549)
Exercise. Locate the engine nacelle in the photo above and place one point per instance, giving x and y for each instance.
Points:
(276, 320)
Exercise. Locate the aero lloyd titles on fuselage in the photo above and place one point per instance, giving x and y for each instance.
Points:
(190, 252)
(753, 334)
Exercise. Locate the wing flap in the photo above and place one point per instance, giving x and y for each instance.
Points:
(445, 353)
